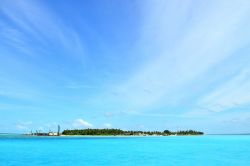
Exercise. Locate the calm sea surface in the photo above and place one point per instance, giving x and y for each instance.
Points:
(156, 151)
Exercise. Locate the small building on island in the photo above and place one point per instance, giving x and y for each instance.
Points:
(50, 133)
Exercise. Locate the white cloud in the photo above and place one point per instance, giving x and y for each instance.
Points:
(51, 125)
(214, 33)
(107, 125)
(22, 127)
(31, 30)
(27, 123)
(232, 94)
(108, 114)
(75, 85)
(29, 16)
(141, 126)
(82, 123)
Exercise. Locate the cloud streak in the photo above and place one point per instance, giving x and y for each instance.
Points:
(158, 60)
(232, 94)
(82, 123)
(213, 35)
(36, 19)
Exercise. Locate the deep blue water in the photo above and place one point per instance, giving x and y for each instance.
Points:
(156, 151)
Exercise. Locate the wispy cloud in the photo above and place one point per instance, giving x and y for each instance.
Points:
(22, 127)
(107, 125)
(214, 34)
(183, 59)
(81, 123)
(36, 19)
(26, 125)
(108, 114)
(232, 94)
(75, 85)
(33, 37)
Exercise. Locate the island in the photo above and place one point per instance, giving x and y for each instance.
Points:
(119, 132)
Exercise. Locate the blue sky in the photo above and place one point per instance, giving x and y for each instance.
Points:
(142, 65)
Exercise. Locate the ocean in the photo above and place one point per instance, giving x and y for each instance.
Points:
(208, 150)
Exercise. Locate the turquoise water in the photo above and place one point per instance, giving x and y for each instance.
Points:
(155, 151)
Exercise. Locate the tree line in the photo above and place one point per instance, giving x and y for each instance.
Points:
(121, 132)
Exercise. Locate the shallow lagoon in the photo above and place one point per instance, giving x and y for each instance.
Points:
(180, 150)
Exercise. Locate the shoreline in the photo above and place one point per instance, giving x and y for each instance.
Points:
(125, 135)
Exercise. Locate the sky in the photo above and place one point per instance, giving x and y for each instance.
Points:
(133, 65)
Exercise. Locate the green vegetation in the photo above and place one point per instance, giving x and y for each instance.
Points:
(189, 132)
(121, 132)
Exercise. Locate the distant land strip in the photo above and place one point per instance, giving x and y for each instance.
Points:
(111, 132)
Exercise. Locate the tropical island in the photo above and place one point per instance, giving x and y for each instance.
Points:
(113, 132)
(119, 132)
